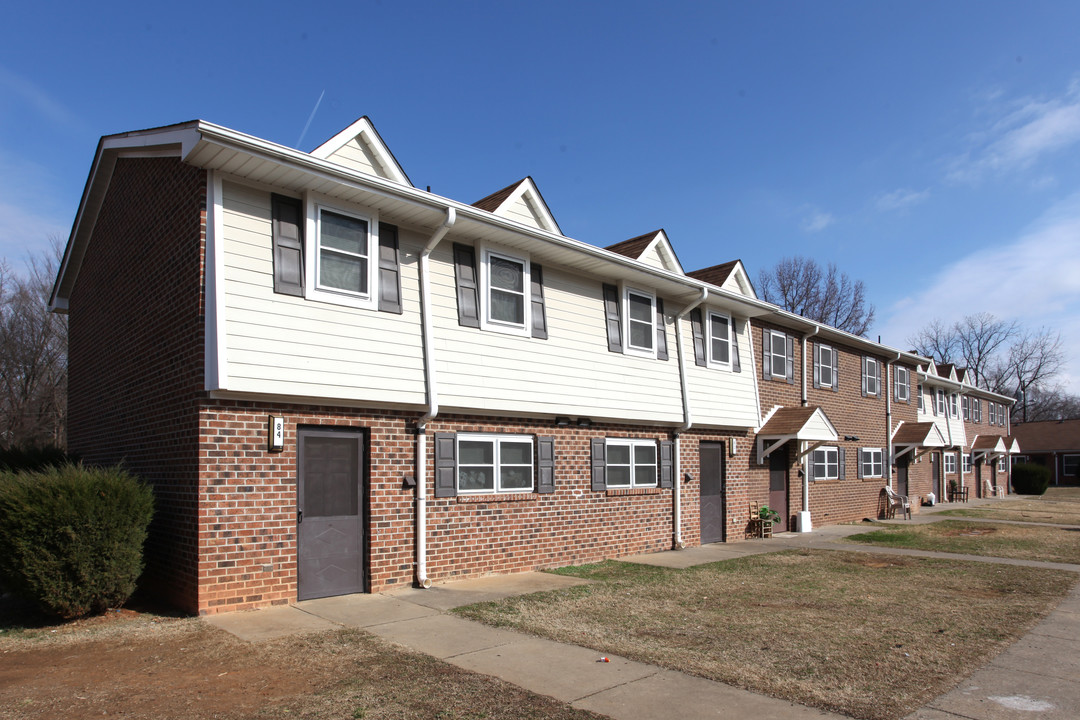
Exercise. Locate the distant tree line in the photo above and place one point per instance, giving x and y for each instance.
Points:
(33, 356)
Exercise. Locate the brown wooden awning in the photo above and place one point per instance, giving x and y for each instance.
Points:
(809, 424)
(913, 437)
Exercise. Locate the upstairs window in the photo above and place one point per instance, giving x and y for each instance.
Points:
(343, 258)
(826, 364)
(503, 292)
(965, 407)
(635, 322)
(640, 316)
(903, 386)
(953, 402)
(976, 410)
(939, 402)
(719, 339)
(506, 297)
(921, 408)
(871, 376)
(778, 356)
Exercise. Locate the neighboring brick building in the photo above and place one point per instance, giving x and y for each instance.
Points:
(337, 382)
(1051, 443)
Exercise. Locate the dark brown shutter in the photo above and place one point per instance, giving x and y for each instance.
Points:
(614, 320)
(835, 369)
(766, 354)
(445, 465)
(539, 316)
(667, 463)
(736, 362)
(817, 364)
(810, 466)
(599, 464)
(864, 377)
(861, 473)
(287, 229)
(884, 461)
(841, 469)
(790, 360)
(468, 291)
(697, 330)
(545, 464)
(661, 331)
(389, 269)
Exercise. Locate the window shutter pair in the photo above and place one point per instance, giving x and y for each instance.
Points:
(841, 458)
(287, 224)
(468, 292)
(697, 328)
(599, 464)
(446, 465)
(787, 347)
(614, 321)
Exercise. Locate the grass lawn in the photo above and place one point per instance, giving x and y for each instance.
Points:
(141, 665)
(1060, 506)
(867, 635)
(1021, 542)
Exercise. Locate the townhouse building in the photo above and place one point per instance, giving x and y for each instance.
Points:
(337, 382)
(1054, 444)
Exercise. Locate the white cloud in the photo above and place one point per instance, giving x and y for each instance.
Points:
(16, 86)
(1021, 137)
(29, 212)
(901, 199)
(1034, 280)
(816, 220)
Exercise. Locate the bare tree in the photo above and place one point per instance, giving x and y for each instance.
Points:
(1051, 404)
(937, 341)
(1034, 361)
(33, 356)
(979, 338)
(802, 286)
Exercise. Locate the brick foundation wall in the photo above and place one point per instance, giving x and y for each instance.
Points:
(136, 354)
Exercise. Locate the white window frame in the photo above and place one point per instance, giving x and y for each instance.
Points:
(726, 364)
(1066, 460)
(976, 409)
(876, 376)
(486, 321)
(822, 351)
(773, 335)
(904, 396)
(314, 290)
(827, 458)
(950, 463)
(921, 403)
(497, 464)
(939, 402)
(967, 462)
(872, 458)
(954, 402)
(1002, 464)
(632, 444)
(630, 348)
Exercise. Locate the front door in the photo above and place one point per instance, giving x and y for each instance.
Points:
(329, 512)
(978, 479)
(712, 492)
(901, 475)
(935, 471)
(778, 486)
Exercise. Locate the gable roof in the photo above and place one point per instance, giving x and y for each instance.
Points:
(1048, 436)
(522, 202)
(801, 423)
(924, 434)
(360, 147)
(652, 246)
(730, 276)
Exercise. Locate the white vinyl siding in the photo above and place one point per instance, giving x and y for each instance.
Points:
(356, 155)
(285, 345)
(726, 399)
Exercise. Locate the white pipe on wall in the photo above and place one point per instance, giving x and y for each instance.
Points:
(688, 420)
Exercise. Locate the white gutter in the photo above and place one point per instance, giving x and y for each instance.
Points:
(432, 400)
(804, 523)
(805, 337)
(688, 419)
(888, 416)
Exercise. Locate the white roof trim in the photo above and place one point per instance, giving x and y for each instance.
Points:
(364, 131)
(662, 245)
(527, 192)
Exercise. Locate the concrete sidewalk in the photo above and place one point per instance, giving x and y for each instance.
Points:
(1038, 674)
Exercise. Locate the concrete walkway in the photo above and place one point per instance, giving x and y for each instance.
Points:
(1038, 675)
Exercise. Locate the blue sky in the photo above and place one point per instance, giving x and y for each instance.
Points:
(930, 149)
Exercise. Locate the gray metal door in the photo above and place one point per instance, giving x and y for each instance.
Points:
(712, 492)
(978, 479)
(902, 475)
(935, 471)
(778, 486)
(330, 522)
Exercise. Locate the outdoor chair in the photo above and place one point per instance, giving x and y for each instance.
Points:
(759, 527)
(898, 502)
(993, 490)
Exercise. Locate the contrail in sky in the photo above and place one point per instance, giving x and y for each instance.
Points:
(310, 118)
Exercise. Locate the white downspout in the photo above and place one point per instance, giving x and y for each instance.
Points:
(687, 417)
(803, 522)
(432, 399)
(888, 417)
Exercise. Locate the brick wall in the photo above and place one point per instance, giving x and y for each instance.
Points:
(136, 353)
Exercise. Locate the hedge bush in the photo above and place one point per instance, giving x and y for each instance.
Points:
(1030, 479)
(71, 537)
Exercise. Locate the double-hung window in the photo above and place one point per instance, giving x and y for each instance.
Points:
(976, 410)
(903, 385)
(499, 290)
(343, 264)
(825, 464)
(871, 380)
(640, 319)
(967, 462)
(871, 464)
(720, 331)
(631, 463)
(1070, 465)
(950, 463)
(939, 405)
(776, 355)
(953, 405)
(965, 407)
(494, 463)
(991, 411)
(1002, 464)
(920, 398)
(505, 283)
(826, 360)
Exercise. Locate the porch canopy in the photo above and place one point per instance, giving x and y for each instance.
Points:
(918, 438)
(1014, 447)
(988, 447)
(809, 424)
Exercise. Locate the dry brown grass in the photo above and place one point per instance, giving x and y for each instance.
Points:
(150, 667)
(1019, 542)
(1059, 506)
(870, 636)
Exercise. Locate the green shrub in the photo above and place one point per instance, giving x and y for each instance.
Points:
(32, 457)
(71, 537)
(1030, 479)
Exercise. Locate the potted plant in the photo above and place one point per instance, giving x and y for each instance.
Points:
(768, 515)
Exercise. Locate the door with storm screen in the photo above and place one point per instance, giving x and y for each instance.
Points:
(902, 475)
(712, 492)
(778, 486)
(330, 521)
